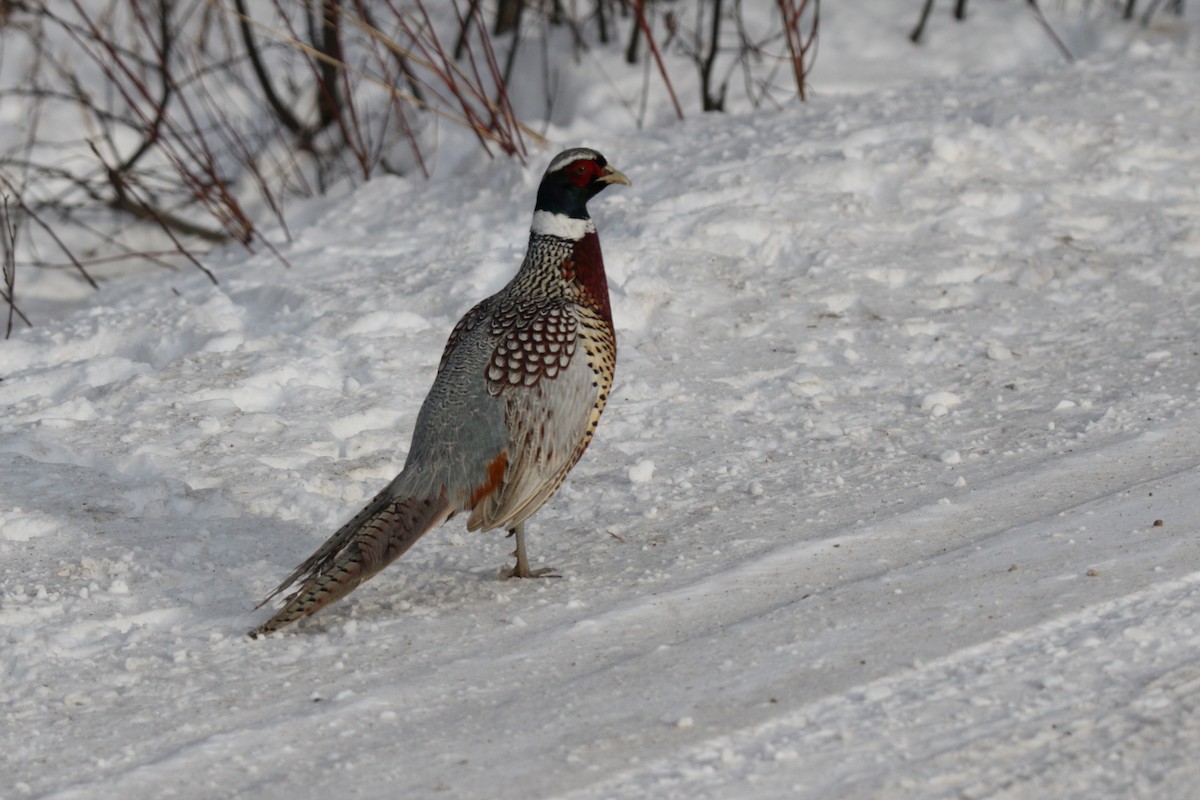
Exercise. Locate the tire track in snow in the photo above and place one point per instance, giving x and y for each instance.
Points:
(1070, 707)
(652, 678)
(1024, 727)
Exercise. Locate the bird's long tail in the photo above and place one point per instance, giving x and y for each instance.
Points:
(377, 536)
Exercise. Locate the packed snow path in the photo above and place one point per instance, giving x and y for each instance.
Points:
(898, 490)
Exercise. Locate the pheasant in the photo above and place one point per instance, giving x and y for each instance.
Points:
(519, 391)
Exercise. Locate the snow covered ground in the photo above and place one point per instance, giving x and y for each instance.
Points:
(897, 495)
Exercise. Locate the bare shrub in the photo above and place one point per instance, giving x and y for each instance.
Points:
(157, 129)
(194, 119)
(960, 14)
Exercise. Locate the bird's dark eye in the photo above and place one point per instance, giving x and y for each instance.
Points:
(580, 168)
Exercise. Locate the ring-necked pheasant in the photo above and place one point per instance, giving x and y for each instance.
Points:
(519, 390)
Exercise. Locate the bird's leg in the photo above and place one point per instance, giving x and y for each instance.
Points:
(521, 568)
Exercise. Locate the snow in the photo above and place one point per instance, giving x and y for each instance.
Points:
(896, 495)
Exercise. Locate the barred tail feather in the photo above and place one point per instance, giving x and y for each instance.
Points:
(377, 536)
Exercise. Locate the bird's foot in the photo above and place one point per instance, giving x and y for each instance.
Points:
(521, 568)
(516, 571)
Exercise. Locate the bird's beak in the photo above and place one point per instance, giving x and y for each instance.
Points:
(614, 176)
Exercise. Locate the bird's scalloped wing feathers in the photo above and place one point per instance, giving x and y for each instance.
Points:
(535, 339)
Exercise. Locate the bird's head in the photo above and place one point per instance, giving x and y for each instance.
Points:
(574, 177)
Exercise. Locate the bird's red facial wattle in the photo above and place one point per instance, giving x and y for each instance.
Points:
(583, 171)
